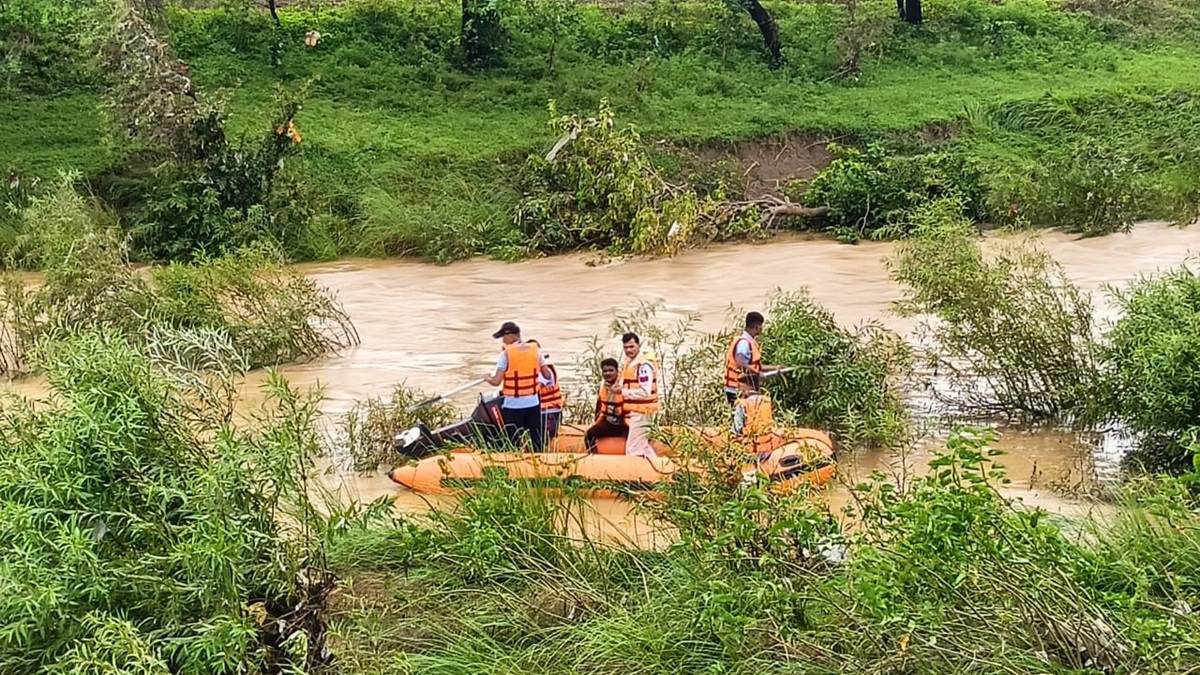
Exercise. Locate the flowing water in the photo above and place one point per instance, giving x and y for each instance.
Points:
(431, 326)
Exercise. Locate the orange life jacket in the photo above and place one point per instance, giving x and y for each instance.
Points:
(630, 380)
(734, 370)
(520, 379)
(760, 417)
(551, 394)
(610, 406)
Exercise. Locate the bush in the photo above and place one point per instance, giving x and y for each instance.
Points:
(591, 191)
(846, 381)
(1093, 192)
(598, 188)
(267, 313)
(136, 542)
(1153, 364)
(871, 192)
(1010, 335)
(369, 429)
(192, 191)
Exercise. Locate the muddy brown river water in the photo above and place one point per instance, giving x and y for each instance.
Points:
(430, 326)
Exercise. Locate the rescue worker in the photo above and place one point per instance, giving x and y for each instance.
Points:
(753, 414)
(517, 372)
(639, 386)
(551, 396)
(744, 356)
(610, 407)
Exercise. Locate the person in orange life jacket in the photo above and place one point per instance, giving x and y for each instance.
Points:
(610, 407)
(744, 356)
(551, 396)
(639, 387)
(517, 372)
(752, 414)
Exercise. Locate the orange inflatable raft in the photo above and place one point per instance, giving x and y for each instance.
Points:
(788, 457)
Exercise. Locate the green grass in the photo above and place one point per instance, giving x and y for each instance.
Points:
(429, 152)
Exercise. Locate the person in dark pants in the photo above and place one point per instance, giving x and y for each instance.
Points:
(610, 408)
(517, 372)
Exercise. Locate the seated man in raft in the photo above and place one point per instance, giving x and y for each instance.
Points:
(753, 414)
(610, 408)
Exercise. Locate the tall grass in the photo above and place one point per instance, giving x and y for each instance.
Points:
(942, 575)
(140, 539)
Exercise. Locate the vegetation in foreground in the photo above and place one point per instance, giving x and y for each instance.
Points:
(144, 535)
(942, 575)
(1080, 115)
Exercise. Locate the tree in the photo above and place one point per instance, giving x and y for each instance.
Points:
(910, 11)
(766, 25)
(481, 32)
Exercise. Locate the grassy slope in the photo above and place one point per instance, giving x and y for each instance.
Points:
(427, 151)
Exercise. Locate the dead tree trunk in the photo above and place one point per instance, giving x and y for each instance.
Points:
(910, 11)
(481, 33)
(768, 28)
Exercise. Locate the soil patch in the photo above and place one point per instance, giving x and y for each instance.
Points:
(768, 164)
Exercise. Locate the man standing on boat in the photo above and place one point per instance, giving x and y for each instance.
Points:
(744, 357)
(517, 371)
(639, 388)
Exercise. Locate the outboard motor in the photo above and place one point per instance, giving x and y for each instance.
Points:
(484, 428)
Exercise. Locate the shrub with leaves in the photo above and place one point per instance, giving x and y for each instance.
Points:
(870, 192)
(369, 429)
(597, 187)
(193, 192)
(269, 313)
(845, 381)
(1008, 334)
(1093, 192)
(139, 541)
(1153, 364)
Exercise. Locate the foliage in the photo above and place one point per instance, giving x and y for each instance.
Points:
(598, 187)
(482, 32)
(41, 44)
(268, 313)
(845, 381)
(136, 542)
(1008, 334)
(942, 574)
(369, 429)
(404, 153)
(591, 190)
(1151, 353)
(1094, 193)
(195, 192)
(871, 192)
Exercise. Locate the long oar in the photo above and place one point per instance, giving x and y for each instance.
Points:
(458, 390)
